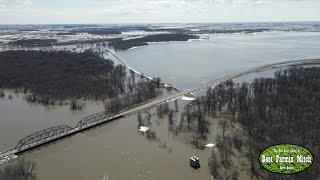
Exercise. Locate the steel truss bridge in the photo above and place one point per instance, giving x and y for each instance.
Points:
(57, 132)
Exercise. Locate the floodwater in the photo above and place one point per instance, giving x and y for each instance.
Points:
(188, 64)
(117, 150)
(19, 118)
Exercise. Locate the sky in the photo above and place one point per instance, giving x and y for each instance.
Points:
(155, 11)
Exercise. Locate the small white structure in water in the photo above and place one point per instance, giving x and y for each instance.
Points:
(186, 98)
(210, 145)
(143, 129)
(195, 162)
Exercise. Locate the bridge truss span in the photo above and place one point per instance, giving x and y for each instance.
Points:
(41, 135)
(93, 118)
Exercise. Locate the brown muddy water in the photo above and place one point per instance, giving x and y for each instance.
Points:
(117, 150)
(18, 118)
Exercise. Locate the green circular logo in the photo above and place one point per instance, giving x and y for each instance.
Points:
(286, 159)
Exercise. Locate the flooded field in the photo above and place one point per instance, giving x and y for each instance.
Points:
(193, 63)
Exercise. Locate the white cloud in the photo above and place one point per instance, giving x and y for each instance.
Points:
(16, 6)
(16, 3)
(148, 11)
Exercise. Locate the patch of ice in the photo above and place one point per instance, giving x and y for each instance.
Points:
(171, 100)
(210, 145)
(200, 39)
(194, 30)
(135, 48)
(166, 85)
(143, 129)
(186, 98)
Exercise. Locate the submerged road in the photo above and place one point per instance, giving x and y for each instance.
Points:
(137, 72)
(101, 118)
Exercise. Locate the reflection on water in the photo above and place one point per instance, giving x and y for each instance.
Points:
(189, 64)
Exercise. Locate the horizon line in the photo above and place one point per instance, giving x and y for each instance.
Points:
(222, 22)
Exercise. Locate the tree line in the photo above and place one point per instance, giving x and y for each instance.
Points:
(121, 44)
(53, 42)
(33, 42)
(96, 31)
(139, 92)
(116, 43)
(48, 77)
(283, 109)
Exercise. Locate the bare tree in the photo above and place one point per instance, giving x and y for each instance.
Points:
(21, 170)
(224, 126)
(170, 117)
(140, 121)
(176, 106)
